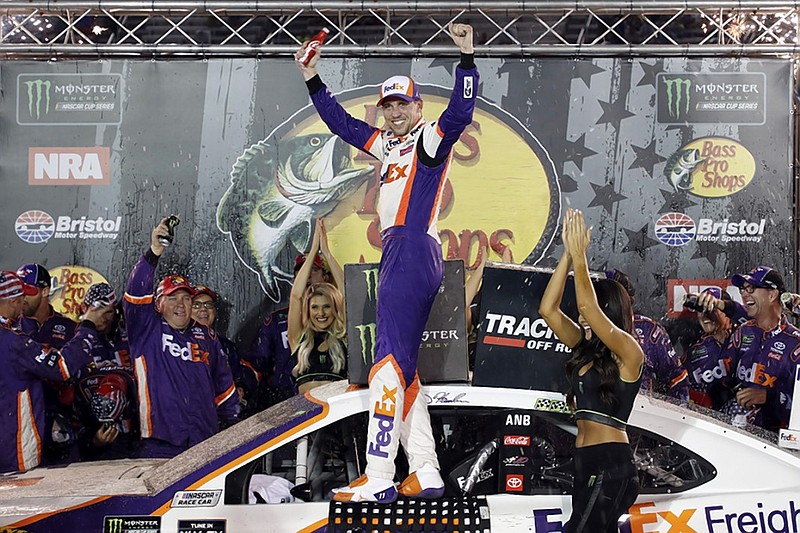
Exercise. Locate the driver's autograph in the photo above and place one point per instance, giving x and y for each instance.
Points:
(444, 397)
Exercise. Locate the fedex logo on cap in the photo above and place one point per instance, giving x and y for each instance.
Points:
(401, 87)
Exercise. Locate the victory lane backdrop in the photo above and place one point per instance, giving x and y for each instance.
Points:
(682, 166)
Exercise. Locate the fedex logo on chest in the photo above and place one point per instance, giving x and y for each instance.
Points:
(188, 352)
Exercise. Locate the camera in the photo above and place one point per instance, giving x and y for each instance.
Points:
(171, 222)
(691, 302)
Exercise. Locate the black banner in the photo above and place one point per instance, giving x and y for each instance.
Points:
(443, 350)
(516, 348)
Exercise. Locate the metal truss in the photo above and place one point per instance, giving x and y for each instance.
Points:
(525, 28)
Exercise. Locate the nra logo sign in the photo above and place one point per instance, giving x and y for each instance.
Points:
(68, 166)
(677, 289)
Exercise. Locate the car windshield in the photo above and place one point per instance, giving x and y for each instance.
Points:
(478, 448)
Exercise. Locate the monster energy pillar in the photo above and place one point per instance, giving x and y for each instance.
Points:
(443, 350)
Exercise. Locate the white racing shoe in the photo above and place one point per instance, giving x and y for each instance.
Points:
(365, 489)
(424, 483)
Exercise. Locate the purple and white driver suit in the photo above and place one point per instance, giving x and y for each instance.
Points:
(184, 383)
(413, 173)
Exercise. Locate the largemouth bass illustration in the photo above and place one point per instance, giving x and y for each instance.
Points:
(277, 192)
(680, 167)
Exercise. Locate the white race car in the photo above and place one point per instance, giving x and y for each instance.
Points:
(505, 456)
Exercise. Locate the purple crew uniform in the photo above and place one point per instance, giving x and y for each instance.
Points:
(113, 351)
(183, 379)
(708, 371)
(53, 333)
(25, 363)
(59, 439)
(767, 359)
(663, 371)
(413, 173)
(270, 361)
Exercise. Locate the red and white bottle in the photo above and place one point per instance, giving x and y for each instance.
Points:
(313, 44)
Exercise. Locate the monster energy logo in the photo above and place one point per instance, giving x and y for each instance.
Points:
(371, 276)
(38, 97)
(678, 96)
(366, 334)
(113, 525)
(126, 524)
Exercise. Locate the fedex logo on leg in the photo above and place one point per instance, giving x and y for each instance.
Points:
(384, 417)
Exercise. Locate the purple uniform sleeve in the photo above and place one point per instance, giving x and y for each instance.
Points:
(736, 312)
(56, 365)
(352, 130)
(458, 114)
(140, 315)
(226, 396)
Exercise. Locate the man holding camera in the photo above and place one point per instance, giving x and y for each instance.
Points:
(183, 378)
(708, 369)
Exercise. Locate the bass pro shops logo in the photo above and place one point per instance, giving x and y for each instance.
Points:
(470, 219)
(711, 167)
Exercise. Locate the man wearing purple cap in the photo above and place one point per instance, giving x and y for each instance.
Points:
(50, 328)
(764, 351)
(24, 366)
(708, 369)
(415, 157)
(663, 371)
(183, 378)
(40, 321)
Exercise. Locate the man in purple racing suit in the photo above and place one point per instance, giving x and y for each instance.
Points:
(182, 375)
(24, 367)
(663, 371)
(764, 351)
(415, 157)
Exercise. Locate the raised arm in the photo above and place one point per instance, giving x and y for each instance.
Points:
(336, 269)
(138, 299)
(473, 282)
(295, 320)
(353, 131)
(626, 348)
(563, 326)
